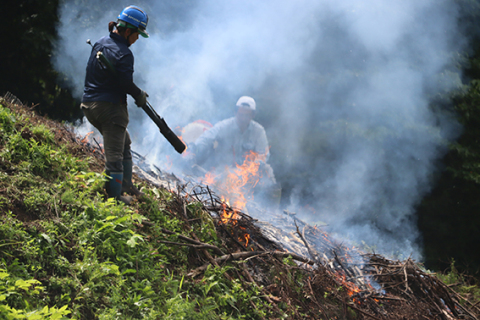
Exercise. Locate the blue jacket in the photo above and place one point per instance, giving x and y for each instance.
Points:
(101, 84)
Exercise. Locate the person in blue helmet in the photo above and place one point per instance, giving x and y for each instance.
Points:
(104, 101)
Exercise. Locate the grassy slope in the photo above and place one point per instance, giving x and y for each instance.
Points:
(66, 252)
(94, 258)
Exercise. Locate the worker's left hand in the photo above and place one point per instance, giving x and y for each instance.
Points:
(141, 99)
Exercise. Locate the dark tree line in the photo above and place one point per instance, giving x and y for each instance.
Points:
(25, 68)
(448, 217)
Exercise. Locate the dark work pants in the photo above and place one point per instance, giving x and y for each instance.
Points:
(111, 120)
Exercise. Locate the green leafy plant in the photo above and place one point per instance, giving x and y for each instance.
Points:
(16, 300)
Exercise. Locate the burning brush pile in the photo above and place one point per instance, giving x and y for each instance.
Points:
(367, 286)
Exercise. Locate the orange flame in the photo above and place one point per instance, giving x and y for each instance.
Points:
(228, 216)
(238, 183)
(85, 139)
(351, 287)
(246, 238)
(209, 178)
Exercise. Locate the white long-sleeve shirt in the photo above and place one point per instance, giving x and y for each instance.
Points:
(224, 144)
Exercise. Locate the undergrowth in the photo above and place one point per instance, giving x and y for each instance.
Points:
(467, 286)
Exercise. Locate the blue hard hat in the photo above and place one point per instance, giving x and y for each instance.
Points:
(135, 18)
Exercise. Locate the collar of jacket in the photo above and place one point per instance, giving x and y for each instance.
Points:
(118, 38)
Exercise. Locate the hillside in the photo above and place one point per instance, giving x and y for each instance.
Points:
(67, 252)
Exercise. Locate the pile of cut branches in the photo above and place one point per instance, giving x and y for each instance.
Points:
(366, 286)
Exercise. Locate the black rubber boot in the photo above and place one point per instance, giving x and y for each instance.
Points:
(114, 187)
(127, 185)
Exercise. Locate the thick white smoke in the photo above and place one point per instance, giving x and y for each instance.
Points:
(343, 89)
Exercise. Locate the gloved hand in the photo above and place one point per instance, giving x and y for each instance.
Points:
(141, 99)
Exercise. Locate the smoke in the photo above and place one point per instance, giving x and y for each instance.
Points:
(344, 90)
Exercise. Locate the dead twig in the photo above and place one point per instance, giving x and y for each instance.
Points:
(302, 236)
(313, 297)
(99, 147)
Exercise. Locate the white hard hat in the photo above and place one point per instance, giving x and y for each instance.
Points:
(246, 102)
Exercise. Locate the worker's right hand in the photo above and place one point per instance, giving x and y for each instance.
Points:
(141, 99)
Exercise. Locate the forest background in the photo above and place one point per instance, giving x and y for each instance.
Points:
(448, 215)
